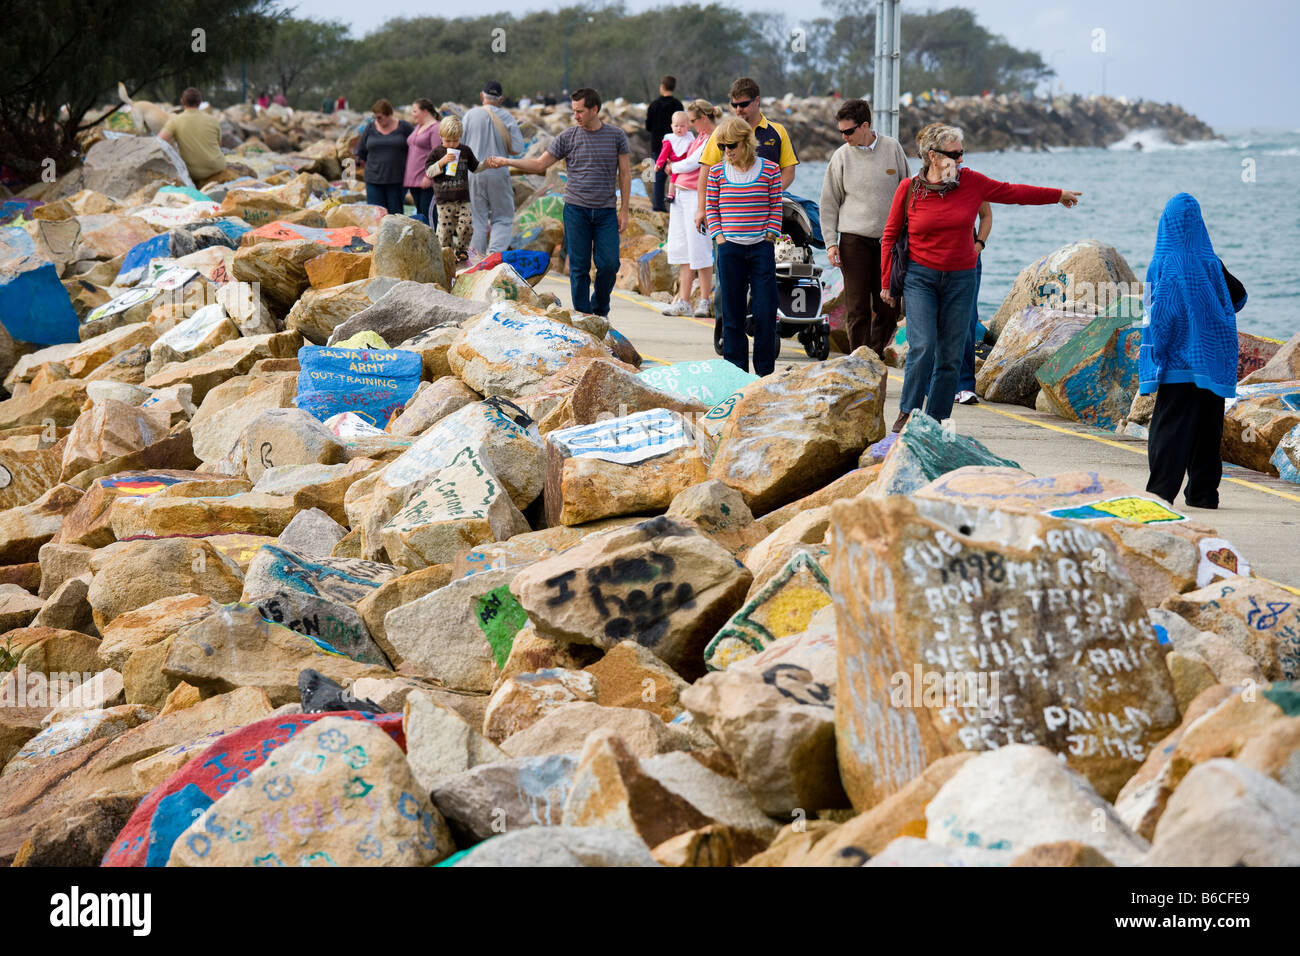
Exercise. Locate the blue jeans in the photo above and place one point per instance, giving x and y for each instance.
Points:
(423, 199)
(588, 232)
(748, 272)
(389, 195)
(938, 323)
(966, 381)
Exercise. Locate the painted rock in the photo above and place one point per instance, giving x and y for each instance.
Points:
(1093, 377)
(629, 465)
(340, 793)
(963, 630)
(793, 431)
(661, 581)
(1027, 341)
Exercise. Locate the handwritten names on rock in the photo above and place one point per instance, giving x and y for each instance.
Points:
(1034, 607)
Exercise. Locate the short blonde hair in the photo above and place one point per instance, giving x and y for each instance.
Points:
(449, 128)
(736, 130)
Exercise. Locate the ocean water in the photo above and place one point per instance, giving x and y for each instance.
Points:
(1255, 226)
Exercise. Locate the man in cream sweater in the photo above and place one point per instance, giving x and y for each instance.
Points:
(861, 179)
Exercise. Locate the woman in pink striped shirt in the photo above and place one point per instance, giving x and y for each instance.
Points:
(742, 206)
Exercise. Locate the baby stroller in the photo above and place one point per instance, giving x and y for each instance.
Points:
(798, 283)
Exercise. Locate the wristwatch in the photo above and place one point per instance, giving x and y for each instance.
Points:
(983, 245)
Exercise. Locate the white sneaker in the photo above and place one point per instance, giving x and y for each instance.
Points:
(702, 310)
(679, 307)
(967, 398)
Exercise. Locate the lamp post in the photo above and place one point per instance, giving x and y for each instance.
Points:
(568, 88)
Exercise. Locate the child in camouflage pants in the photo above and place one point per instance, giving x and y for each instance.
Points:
(449, 167)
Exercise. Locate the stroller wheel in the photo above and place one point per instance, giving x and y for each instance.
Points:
(818, 344)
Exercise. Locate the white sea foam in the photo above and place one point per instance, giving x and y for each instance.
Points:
(1155, 139)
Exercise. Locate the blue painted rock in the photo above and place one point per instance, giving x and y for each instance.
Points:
(793, 431)
(373, 383)
(236, 647)
(510, 350)
(923, 451)
(943, 610)
(1093, 377)
(139, 256)
(175, 814)
(1028, 339)
(340, 793)
(1286, 457)
(708, 382)
(277, 569)
(34, 305)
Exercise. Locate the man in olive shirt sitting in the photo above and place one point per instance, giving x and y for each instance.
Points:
(197, 136)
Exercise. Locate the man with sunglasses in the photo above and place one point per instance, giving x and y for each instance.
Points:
(773, 144)
(773, 141)
(861, 179)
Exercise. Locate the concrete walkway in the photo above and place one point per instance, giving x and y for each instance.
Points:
(1258, 513)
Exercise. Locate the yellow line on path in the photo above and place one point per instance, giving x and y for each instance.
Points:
(645, 305)
(1254, 486)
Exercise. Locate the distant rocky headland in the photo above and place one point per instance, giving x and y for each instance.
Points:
(990, 123)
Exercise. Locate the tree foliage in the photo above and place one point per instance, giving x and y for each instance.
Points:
(65, 57)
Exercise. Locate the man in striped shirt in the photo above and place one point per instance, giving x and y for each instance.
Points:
(597, 155)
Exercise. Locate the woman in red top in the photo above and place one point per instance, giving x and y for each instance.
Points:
(942, 203)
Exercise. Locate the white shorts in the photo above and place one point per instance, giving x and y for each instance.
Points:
(685, 244)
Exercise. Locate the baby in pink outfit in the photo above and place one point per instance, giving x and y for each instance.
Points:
(676, 147)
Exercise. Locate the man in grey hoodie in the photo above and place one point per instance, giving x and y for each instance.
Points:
(491, 131)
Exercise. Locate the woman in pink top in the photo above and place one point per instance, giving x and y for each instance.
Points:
(423, 140)
(688, 247)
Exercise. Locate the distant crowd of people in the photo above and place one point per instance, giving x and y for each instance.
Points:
(897, 238)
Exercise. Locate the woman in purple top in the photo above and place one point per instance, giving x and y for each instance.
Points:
(423, 141)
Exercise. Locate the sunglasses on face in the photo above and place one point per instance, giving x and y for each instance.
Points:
(954, 154)
(742, 104)
(727, 145)
(852, 129)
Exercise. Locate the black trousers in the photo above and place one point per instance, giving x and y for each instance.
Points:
(868, 320)
(660, 201)
(1184, 437)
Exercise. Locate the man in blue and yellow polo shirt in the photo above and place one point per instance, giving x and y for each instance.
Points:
(773, 143)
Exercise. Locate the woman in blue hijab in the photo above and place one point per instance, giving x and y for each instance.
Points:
(1189, 353)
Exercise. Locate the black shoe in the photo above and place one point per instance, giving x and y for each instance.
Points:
(900, 421)
(321, 695)
(1210, 505)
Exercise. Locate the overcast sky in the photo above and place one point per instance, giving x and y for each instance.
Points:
(1232, 63)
